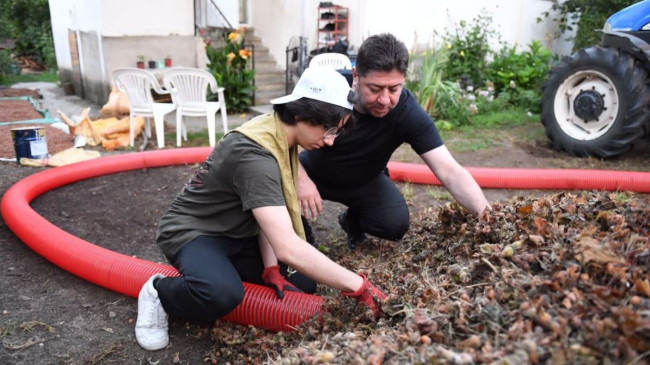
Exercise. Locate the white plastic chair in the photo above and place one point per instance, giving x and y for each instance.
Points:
(137, 84)
(189, 92)
(337, 61)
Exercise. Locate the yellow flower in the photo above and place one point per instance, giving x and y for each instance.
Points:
(448, 45)
(230, 56)
(234, 37)
(244, 53)
(462, 53)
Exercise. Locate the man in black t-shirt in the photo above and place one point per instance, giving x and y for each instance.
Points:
(353, 171)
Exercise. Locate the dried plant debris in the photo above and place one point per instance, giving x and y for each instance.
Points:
(559, 279)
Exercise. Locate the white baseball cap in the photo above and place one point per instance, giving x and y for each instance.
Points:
(320, 83)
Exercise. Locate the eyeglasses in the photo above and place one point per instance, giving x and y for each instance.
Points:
(333, 132)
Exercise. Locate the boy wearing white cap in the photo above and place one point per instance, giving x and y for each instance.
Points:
(238, 217)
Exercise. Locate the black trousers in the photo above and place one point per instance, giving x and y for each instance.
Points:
(212, 270)
(377, 208)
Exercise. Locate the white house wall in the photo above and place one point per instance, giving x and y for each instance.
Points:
(76, 29)
(276, 22)
(415, 20)
(412, 21)
(147, 17)
(113, 33)
(152, 29)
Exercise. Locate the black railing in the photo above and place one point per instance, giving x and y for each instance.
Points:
(252, 63)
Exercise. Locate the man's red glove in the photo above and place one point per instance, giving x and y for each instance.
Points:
(272, 277)
(368, 295)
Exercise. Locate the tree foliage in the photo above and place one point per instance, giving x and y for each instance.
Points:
(27, 22)
(585, 16)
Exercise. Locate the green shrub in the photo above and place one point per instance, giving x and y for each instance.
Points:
(457, 85)
(518, 76)
(229, 65)
(427, 87)
(442, 99)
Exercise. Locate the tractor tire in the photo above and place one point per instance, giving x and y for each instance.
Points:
(596, 103)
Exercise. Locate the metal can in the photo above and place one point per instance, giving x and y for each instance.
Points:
(29, 142)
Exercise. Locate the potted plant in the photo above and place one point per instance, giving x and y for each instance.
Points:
(140, 62)
(168, 61)
(152, 64)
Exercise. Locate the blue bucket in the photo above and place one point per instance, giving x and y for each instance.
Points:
(29, 142)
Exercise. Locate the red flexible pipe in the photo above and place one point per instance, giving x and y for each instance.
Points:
(553, 179)
(125, 274)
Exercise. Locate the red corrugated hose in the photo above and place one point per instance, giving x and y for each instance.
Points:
(513, 178)
(126, 274)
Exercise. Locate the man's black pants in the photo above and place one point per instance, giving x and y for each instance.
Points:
(377, 208)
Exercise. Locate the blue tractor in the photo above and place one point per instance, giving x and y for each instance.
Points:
(596, 102)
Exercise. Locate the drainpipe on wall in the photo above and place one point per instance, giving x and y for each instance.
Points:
(303, 5)
(102, 62)
(79, 48)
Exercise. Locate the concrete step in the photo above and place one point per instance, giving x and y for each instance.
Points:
(263, 57)
(266, 66)
(269, 86)
(268, 94)
(268, 73)
(262, 109)
(257, 43)
(280, 85)
(259, 47)
(269, 78)
(263, 101)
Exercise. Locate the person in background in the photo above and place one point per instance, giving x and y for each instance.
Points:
(238, 218)
(354, 170)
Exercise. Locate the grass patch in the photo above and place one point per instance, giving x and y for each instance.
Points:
(407, 191)
(492, 129)
(46, 76)
(438, 193)
(467, 139)
(194, 139)
(509, 117)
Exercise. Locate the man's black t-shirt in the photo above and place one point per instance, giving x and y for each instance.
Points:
(360, 154)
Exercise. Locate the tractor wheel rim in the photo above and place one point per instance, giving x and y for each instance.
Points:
(581, 82)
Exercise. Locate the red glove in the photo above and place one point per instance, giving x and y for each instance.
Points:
(368, 295)
(272, 277)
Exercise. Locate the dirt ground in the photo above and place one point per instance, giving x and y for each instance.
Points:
(49, 316)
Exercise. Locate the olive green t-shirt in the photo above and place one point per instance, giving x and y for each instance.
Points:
(238, 176)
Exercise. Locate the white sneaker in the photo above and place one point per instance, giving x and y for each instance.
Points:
(151, 326)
